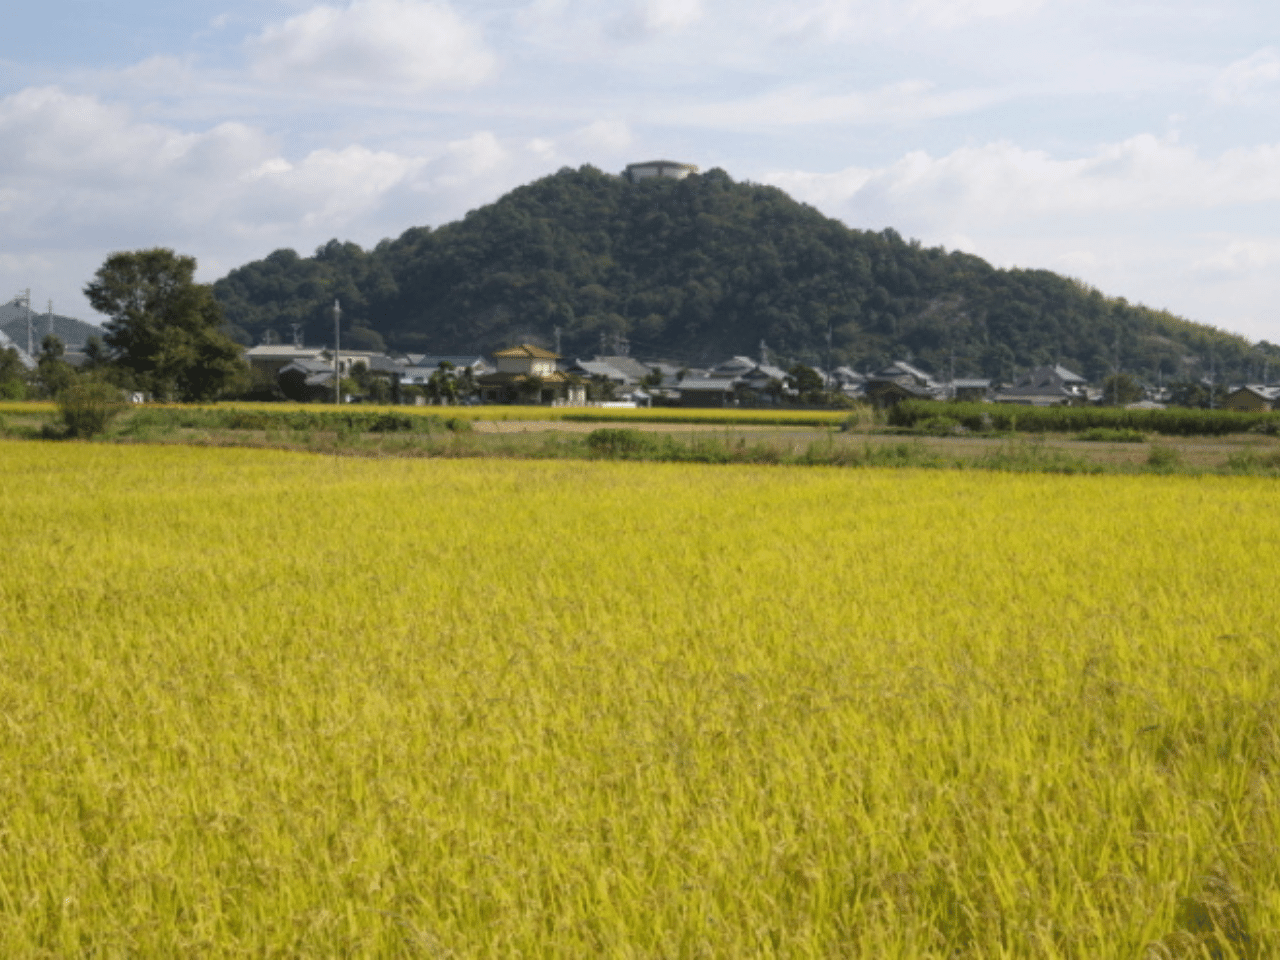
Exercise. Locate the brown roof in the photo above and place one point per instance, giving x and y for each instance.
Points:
(495, 379)
(527, 350)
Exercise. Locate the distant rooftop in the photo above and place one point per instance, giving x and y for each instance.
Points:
(527, 350)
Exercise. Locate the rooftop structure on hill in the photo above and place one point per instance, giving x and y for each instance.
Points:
(658, 168)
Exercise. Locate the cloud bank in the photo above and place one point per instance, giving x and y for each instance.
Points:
(405, 44)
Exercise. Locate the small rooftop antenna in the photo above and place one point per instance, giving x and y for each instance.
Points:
(297, 334)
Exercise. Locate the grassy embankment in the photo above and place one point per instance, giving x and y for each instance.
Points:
(1079, 441)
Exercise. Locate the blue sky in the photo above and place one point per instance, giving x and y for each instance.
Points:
(1133, 145)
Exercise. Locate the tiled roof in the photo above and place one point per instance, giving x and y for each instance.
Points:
(703, 384)
(527, 350)
(632, 368)
(494, 379)
(598, 368)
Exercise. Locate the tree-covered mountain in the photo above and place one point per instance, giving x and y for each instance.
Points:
(700, 268)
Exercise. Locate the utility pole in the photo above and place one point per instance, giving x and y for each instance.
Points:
(24, 297)
(557, 329)
(826, 376)
(1115, 377)
(337, 367)
(49, 332)
(1213, 375)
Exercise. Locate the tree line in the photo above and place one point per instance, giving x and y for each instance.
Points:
(163, 337)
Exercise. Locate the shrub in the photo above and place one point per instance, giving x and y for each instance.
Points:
(940, 426)
(88, 407)
(1250, 461)
(1175, 421)
(1163, 458)
(458, 425)
(616, 442)
(1112, 435)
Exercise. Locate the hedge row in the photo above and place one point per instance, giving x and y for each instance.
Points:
(344, 421)
(1003, 417)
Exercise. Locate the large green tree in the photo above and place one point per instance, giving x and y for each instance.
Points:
(164, 327)
(13, 375)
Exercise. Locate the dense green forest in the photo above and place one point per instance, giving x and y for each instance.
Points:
(698, 269)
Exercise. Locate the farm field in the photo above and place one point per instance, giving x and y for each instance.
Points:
(258, 702)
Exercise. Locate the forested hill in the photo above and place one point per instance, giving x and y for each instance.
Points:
(701, 268)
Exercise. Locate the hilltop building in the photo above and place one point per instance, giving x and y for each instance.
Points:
(636, 172)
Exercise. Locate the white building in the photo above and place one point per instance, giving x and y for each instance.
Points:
(658, 168)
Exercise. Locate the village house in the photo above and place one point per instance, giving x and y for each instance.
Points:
(420, 367)
(1047, 386)
(707, 392)
(528, 374)
(1252, 398)
(972, 390)
(901, 381)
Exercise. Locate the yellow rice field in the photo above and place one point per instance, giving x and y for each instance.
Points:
(255, 703)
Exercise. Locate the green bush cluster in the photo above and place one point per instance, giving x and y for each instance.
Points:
(1174, 421)
(345, 421)
(89, 406)
(1112, 435)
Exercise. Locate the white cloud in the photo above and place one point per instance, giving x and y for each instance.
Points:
(1097, 216)
(1002, 182)
(856, 19)
(413, 44)
(1241, 257)
(602, 136)
(949, 14)
(82, 178)
(88, 146)
(1242, 79)
(667, 16)
(909, 101)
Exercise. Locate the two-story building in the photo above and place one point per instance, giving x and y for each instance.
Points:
(528, 374)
